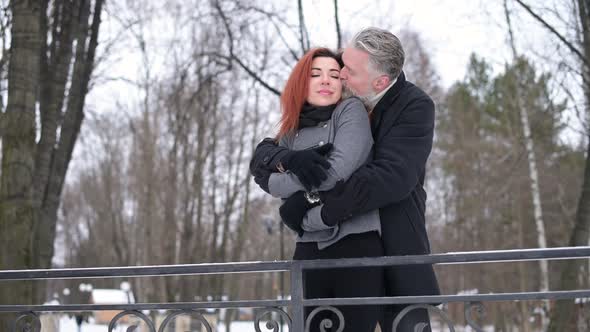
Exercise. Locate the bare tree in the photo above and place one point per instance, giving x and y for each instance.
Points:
(579, 47)
(17, 213)
(533, 173)
(43, 68)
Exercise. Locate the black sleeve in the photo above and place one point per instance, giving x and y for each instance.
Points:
(267, 154)
(400, 156)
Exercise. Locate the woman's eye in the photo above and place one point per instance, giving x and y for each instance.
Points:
(336, 77)
(315, 75)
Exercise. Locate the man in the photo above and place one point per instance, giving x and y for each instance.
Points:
(402, 124)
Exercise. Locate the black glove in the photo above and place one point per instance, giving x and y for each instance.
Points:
(261, 176)
(294, 209)
(343, 200)
(308, 165)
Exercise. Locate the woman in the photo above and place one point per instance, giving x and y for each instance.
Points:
(314, 115)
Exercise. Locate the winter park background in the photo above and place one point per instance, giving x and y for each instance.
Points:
(141, 117)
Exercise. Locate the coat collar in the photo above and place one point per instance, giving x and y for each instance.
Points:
(385, 102)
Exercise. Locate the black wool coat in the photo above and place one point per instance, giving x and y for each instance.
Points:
(402, 124)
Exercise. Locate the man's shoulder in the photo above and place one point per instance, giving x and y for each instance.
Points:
(412, 92)
(411, 101)
(409, 97)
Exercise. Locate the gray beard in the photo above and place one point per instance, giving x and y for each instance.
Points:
(347, 93)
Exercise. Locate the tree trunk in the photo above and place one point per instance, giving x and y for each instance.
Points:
(18, 151)
(70, 128)
(533, 173)
(563, 318)
(523, 275)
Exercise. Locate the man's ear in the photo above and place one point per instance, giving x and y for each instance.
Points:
(381, 82)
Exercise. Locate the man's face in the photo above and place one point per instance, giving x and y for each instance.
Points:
(355, 75)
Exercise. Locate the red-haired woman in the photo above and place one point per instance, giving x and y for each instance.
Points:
(316, 121)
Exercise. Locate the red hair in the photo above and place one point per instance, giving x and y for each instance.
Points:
(297, 88)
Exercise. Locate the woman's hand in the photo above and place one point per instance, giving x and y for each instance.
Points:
(294, 209)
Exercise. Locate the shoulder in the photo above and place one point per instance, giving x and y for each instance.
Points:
(413, 94)
(350, 103)
(350, 107)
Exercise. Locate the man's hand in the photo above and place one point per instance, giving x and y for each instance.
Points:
(309, 166)
(343, 200)
(294, 209)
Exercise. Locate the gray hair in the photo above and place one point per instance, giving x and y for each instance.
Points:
(386, 54)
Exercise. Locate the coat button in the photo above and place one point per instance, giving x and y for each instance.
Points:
(266, 159)
(297, 134)
(325, 125)
(321, 143)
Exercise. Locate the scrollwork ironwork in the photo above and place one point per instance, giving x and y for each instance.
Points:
(27, 322)
(193, 313)
(132, 328)
(325, 323)
(479, 309)
(421, 326)
(271, 324)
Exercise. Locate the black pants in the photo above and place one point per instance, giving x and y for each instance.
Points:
(349, 282)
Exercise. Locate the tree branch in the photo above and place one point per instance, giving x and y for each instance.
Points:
(303, 37)
(338, 34)
(569, 45)
(232, 56)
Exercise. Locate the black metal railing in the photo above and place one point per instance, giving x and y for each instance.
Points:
(28, 318)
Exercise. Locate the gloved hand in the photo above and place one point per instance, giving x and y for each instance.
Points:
(294, 209)
(345, 199)
(308, 165)
(261, 176)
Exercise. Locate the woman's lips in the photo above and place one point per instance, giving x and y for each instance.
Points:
(325, 92)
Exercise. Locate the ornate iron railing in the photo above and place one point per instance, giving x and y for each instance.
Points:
(28, 318)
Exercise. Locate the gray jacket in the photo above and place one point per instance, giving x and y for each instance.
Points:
(350, 132)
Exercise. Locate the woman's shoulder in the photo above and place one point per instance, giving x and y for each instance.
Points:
(351, 106)
(351, 102)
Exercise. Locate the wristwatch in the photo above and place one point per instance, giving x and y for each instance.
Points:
(312, 197)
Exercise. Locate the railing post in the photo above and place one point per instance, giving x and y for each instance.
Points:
(297, 296)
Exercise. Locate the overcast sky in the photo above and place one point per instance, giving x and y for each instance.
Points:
(451, 31)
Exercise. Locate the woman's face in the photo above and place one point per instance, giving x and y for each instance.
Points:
(325, 87)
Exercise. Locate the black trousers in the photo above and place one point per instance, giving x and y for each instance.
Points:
(348, 282)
